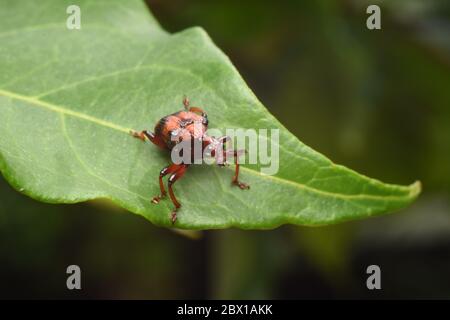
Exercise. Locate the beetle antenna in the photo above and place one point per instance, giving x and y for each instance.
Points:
(185, 102)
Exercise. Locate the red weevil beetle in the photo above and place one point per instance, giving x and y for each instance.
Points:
(177, 127)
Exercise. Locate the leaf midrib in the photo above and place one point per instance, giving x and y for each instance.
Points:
(66, 111)
(62, 110)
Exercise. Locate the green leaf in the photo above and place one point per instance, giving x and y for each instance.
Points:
(68, 99)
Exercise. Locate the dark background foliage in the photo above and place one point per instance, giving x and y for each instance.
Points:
(375, 101)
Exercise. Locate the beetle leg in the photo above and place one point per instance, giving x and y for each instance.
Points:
(224, 140)
(172, 179)
(221, 155)
(139, 135)
(165, 171)
(235, 180)
(150, 136)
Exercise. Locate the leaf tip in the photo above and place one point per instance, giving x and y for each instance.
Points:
(415, 189)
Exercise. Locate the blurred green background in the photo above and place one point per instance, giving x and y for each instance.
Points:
(375, 101)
